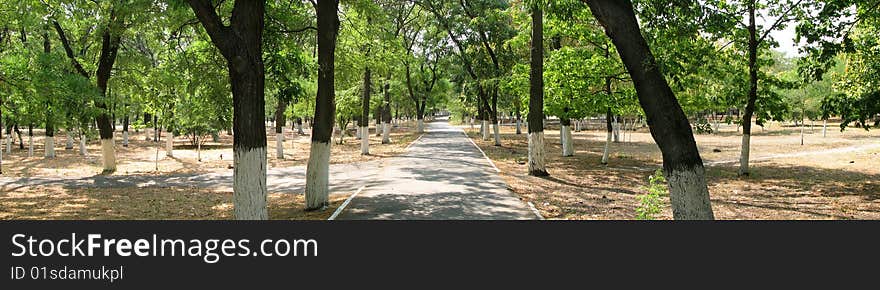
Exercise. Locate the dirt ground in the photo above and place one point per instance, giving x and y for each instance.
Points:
(833, 177)
(154, 203)
(165, 203)
(140, 156)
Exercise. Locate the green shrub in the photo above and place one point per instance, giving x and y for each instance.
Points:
(650, 204)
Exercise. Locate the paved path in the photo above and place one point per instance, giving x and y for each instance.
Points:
(442, 176)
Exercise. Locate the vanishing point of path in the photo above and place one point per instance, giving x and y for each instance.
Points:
(443, 175)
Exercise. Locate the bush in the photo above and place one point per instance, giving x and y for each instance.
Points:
(651, 203)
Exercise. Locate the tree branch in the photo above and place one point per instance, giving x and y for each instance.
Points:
(68, 50)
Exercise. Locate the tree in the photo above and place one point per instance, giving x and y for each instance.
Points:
(756, 38)
(111, 35)
(669, 125)
(241, 44)
(844, 31)
(537, 166)
(318, 169)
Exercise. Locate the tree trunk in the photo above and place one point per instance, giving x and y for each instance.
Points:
(386, 115)
(147, 131)
(169, 144)
(82, 144)
(318, 170)
(616, 129)
(536, 96)
(69, 145)
(299, 126)
(241, 45)
(280, 121)
(50, 137)
(30, 140)
(669, 124)
(9, 140)
(803, 130)
(495, 122)
(365, 117)
(517, 107)
(610, 132)
(497, 133)
(125, 131)
(109, 48)
(156, 130)
(825, 128)
(49, 142)
(199, 147)
(565, 135)
(753, 92)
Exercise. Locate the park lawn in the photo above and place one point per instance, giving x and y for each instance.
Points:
(152, 203)
(140, 157)
(823, 186)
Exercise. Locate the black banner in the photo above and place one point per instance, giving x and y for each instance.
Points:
(420, 254)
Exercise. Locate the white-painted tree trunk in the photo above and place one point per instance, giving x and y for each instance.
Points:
(82, 145)
(386, 133)
(690, 197)
(615, 127)
(169, 144)
(69, 145)
(803, 131)
(9, 143)
(717, 125)
(108, 152)
(50, 147)
(359, 133)
(497, 131)
(341, 135)
(421, 126)
(471, 120)
(30, 146)
(249, 184)
(485, 127)
(318, 176)
(536, 152)
(624, 130)
(125, 139)
(147, 133)
(279, 145)
(365, 142)
(744, 156)
(518, 126)
(824, 128)
(567, 142)
(607, 152)
(199, 148)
